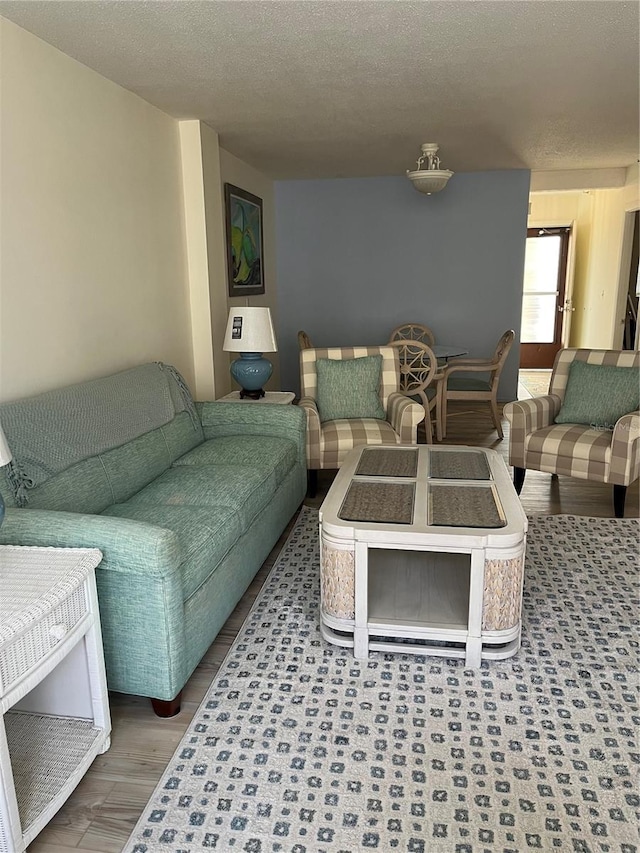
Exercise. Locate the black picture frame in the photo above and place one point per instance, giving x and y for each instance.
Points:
(245, 242)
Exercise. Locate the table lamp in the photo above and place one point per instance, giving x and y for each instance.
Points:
(5, 458)
(250, 332)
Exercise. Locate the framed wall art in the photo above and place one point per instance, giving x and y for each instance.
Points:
(245, 245)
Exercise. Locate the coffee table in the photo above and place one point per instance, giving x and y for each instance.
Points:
(422, 551)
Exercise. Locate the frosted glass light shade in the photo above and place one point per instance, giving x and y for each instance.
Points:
(250, 330)
(429, 177)
(428, 182)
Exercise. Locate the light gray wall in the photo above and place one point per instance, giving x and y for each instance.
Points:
(357, 257)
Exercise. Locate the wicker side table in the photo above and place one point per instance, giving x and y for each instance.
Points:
(54, 712)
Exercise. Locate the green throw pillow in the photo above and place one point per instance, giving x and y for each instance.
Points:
(599, 394)
(349, 388)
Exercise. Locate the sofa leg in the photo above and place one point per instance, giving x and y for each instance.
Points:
(619, 495)
(167, 707)
(312, 482)
(518, 478)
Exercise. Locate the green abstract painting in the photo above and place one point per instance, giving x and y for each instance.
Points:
(244, 242)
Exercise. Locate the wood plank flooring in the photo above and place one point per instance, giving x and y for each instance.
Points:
(102, 811)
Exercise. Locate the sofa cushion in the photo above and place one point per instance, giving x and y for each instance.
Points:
(349, 388)
(83, 487)
(182, 434)
(256, 451)
(135, 464)
(206, 535)
(598, 395)
(245, 489)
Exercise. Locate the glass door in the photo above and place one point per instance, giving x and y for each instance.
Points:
(543, 301)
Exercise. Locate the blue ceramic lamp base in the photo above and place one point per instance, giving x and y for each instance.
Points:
(251, 371)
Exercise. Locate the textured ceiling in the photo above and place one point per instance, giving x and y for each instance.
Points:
(337, 88)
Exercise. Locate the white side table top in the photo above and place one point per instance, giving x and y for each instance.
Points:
(34, 580)
(278, 397)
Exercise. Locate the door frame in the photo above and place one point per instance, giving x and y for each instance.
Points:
(623, 277)
(571, 269)
(567, 308)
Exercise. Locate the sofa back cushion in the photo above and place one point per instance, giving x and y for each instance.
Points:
(83, 447)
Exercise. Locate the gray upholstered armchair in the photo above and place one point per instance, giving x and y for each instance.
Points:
(575, 429)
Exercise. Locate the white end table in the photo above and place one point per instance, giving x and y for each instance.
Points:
(54, 711)
(279, 397)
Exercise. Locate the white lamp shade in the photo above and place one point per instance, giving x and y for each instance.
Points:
(5, 453)
(250, 330)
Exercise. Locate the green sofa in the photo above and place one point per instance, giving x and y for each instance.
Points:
(185, 500)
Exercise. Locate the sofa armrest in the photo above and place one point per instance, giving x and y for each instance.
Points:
(127, 546)
(404, 415)
(139, 592)
(220, 419)
(525, 417)
(314, 428)
(625, 450)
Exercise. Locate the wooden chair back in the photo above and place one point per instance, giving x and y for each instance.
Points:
(413, 332)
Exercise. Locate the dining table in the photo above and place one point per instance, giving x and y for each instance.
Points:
(446, 351)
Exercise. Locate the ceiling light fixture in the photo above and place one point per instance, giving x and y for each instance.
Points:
(429, 177)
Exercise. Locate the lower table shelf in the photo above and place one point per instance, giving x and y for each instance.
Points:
(54, 710)
(49, 756)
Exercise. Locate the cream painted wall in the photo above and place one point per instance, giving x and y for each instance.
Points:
(630, 203)
(598, 216)
(93, 267)
(238, 173)
(196, 237)
(602, 278)
(216, 258)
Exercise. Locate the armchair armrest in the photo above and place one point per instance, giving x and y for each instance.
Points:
(314, 429)
(527, 416)
(532, 414)
(404, 415)
(625, 450)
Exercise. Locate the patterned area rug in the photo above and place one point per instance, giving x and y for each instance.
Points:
(298, 748)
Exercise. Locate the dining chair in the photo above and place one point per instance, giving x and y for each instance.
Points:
(304, 342)
(413, 332)
(418, 378)
(472, 387)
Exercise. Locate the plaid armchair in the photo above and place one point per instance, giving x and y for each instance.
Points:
(328, 443)
(575, 450)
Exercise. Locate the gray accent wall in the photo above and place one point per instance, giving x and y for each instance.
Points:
(357, 257)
